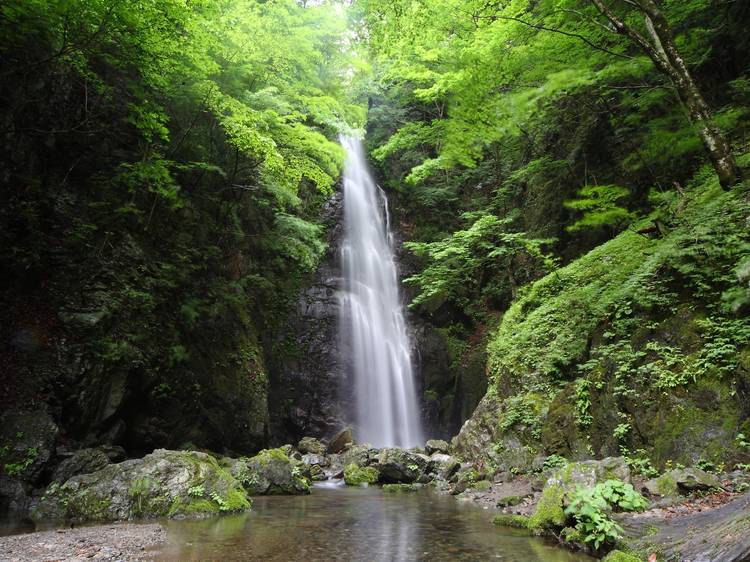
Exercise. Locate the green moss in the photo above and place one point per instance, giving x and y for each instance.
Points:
(267, 455)
(620, 556)
(549, 511)
(482, 485)
(517, 521)
(391, 488)
(355, 475)
(666, 485)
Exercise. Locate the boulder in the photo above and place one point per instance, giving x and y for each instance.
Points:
(310, 445)
(397, 465)
(437, 446)
(588, 473)
(28, 442)
(84, 461)
(164, 483)
(312, 459)
(362, 455)
(340, 441)
(686, 480)
(355, 475)
(444, 466)
(270, 472)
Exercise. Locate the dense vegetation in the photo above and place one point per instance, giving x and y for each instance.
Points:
(163, 164)
(562, 140)
(567, 175)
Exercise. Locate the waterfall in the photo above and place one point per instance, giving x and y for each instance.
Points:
(372, 320)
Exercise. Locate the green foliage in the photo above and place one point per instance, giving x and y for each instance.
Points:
(600, 207)
(16, 468)
(553, 462)
(589, 508)
(196, 491)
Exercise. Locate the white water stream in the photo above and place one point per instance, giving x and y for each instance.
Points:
(372, 322)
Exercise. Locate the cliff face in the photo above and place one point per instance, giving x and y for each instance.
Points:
(639, 348)
(309, 390)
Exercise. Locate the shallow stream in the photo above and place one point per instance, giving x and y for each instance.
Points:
(348, 524)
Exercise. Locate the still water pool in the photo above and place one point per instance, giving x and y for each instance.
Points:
(347, 524)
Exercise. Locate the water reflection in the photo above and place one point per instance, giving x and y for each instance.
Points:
(356, 524)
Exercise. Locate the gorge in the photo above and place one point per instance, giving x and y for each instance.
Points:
(408, 279)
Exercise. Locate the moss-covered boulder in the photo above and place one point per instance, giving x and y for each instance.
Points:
(340, 441)
(355, 475)
(270, 472)
(396, 488)
(398, 465)
(164, 483)
(310, 445)
(549, 512)
(620, 556)
(681, 481)
(437, 446)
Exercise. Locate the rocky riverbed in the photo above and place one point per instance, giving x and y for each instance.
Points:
(105, 543)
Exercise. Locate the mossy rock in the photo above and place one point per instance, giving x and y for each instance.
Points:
(620, 556)
(270, 472)
(549, 513)
(164, 483)
(482, 485)
(516, 521)
(357, 475)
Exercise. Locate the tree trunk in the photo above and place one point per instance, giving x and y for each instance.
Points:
(662, 50)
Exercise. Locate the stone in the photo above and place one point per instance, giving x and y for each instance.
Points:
(84, 461)
(362, 455)
(270, 472)
(397, 465)
(588, 473)
(340, 441)
(444, 466)
(162, 484)
(675, 482)
(310, 445)
(30, 439)
(355, 475)
(437, 446)
(315, 460)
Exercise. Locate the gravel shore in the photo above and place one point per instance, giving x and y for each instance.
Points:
(116, 542)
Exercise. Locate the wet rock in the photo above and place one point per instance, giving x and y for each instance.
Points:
(84, 461)
(311, 445)
(362, 455)
(355, 475)
(164, 483)
(444, 466)
(397, 465)
(340, 441)
(437, 446)
(315, 460)
(270, 472)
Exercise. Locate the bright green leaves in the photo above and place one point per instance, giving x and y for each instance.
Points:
(459, 265)
(600, 206)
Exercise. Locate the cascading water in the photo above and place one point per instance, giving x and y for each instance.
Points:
(372, 320)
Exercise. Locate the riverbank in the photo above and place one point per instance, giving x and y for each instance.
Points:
(103, 543)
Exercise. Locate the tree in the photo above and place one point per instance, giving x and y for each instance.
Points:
(662, 50)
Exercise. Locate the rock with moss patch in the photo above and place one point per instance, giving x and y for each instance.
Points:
(549, 512)
(355, 475)
(588, 473)
(310, 445)
(398, 465)
(270, 472)
(437, 446)
(362, 455)
(340, 441)
(687, 480)
(164, 483)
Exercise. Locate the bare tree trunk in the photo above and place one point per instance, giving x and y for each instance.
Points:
(662, 50)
